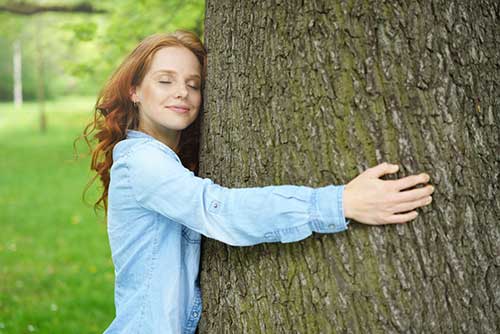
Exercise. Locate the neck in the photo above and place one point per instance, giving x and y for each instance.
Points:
(171, 138)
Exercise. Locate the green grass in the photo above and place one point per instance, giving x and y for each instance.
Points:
(56, 274)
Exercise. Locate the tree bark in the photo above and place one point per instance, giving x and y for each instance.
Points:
(313, 93)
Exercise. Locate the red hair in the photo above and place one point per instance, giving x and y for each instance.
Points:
(115, 112)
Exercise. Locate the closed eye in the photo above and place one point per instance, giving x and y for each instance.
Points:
(164, 82)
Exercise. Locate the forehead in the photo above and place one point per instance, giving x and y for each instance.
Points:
(174, 58)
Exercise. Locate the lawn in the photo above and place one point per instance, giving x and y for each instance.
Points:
(56, 274)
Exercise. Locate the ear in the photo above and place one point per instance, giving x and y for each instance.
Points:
(134, 97)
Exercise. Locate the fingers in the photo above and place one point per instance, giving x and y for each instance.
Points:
(402, 217)
(376, 202)
(382, 169)
(414, 194)
(411, 181)
(408, 206)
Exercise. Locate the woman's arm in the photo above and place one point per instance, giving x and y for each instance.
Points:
(237, 216)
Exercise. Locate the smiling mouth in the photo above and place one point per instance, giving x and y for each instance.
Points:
(178, 109)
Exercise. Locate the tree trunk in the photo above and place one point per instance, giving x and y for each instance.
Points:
(18, 75)
(40, 78)
(314, 92)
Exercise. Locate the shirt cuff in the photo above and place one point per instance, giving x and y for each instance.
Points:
(329, 210)
(326, 214)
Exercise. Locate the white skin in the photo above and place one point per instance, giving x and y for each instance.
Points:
(169, 96)
(169, 99)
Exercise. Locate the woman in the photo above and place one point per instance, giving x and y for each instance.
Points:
(147, 129)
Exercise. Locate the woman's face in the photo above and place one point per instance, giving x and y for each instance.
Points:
(169, 96)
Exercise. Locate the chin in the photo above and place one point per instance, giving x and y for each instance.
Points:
(179, 126)
(187, 124)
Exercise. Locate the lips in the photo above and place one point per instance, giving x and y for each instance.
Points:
(179, 109)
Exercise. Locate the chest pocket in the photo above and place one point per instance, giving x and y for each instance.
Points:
(190, 235)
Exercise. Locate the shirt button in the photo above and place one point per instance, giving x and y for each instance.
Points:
(331, 225)
(195, 314)
(215, 205)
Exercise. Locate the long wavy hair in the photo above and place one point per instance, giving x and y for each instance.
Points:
(115, 113)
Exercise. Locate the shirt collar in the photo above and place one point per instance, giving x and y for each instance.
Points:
(137, 134)
(140, 134)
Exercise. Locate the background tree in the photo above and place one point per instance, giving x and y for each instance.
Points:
(17, 74)
(83, 41)
(31, 8)
(314, 92)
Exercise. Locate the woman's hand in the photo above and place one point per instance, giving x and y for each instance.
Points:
(370, 200)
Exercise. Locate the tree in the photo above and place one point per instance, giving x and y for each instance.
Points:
(26, 8)
(314, 92)
(17, 74)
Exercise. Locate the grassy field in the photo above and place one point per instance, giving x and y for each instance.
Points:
(56, 274)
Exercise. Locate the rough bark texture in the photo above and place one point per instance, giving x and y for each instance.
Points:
(314, 92)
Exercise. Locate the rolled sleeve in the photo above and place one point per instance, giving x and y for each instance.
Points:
(236, 216)
(330, 207)
(326, 215)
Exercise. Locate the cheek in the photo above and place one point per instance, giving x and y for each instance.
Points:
(153, 94)
(196, 101)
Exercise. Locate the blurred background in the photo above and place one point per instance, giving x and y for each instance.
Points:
(56, 274)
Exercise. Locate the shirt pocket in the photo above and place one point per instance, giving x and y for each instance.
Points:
(190, 235)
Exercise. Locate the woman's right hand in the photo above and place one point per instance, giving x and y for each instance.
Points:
(369, 200)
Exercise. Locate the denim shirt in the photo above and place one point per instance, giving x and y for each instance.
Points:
(157, 212)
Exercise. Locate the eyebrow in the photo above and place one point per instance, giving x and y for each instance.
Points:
(196, 76)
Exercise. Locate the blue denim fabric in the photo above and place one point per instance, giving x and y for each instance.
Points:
(157, 212)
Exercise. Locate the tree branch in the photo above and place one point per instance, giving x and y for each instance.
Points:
(25, 8)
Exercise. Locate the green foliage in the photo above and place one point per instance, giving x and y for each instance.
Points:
(83, 31)
(41, 41)
(79, 50)
(56, 274)
(132, 21)
(10, 27)
(7, 84)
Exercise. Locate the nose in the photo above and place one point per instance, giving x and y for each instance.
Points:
(181, 90)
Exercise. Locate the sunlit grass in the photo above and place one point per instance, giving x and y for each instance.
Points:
(56, 275)
(27, 117)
